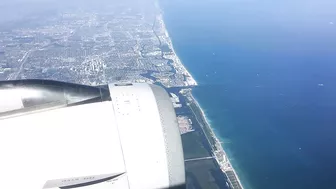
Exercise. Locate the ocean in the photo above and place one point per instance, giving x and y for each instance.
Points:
(267, 82)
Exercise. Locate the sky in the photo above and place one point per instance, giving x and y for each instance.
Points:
(18, 9)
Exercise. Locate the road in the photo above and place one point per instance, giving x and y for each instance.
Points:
(23, 61)
(197, 159)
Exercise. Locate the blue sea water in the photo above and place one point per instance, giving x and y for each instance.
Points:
(267, 81)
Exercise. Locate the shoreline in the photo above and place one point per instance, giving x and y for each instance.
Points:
(219, 153)
(177, 63)
(217, 148)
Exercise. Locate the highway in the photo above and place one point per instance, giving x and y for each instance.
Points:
(23, 61)
(201, 158)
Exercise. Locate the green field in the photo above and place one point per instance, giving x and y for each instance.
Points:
(193, 145)
(204, 174)
(201, 120)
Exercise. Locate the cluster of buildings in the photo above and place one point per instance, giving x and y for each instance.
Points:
(94, 47)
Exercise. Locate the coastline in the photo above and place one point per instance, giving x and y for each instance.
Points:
(217, 149)
(216, 146)
(177, 63)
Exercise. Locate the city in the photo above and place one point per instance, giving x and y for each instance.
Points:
(93, 48)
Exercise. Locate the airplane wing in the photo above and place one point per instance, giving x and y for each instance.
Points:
(62, 135)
